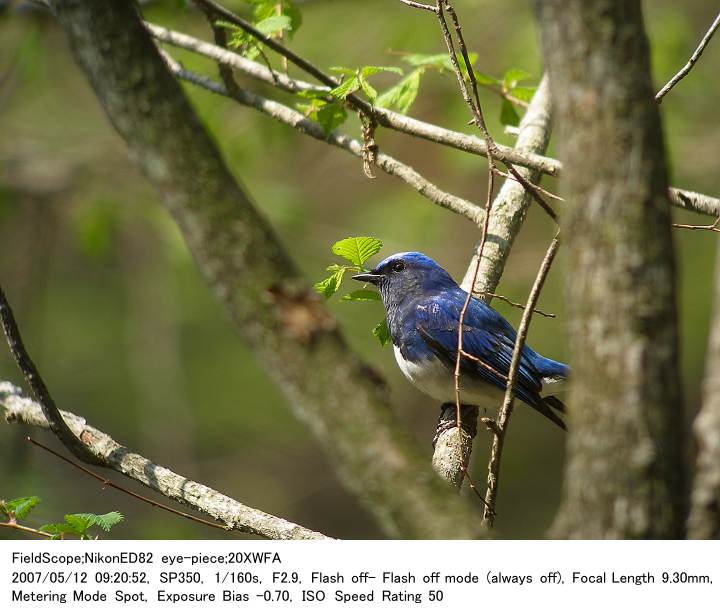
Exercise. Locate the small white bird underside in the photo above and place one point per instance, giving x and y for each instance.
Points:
(436, 379)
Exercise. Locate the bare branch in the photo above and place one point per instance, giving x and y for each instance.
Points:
(405, 124)
(503, 418)
(235, 515)
(37, 385)
(682, 73)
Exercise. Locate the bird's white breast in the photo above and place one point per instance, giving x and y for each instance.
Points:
(436, 379)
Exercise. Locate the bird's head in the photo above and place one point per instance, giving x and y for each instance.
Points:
(405, 275)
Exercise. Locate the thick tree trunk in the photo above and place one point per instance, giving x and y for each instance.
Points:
(704, 522)
(624, 470)
(276, 313)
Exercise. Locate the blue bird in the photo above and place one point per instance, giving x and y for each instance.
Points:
(423, 305)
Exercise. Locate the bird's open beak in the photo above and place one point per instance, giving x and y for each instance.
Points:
(369, 277)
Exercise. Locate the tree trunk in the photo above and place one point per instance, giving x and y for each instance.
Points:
(624, 471)
(276, 312)
(704, 522)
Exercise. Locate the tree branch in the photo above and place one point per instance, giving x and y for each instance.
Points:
(279, 316)
(37, 385)
(704, 520)
(682, 73)
(235, 515)
(405, 124)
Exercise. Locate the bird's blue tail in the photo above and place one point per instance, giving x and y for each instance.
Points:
(551, 369)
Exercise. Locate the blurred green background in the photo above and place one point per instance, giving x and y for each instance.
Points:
(127, 334)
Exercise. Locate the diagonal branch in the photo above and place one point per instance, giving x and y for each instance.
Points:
(501, 424)
(37, 385)
(682, 73)
(22, 410)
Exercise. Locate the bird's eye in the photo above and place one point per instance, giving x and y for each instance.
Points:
(398, 266)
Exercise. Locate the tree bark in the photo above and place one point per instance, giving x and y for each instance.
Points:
(276, 313)
(624, 470)
(704, 521)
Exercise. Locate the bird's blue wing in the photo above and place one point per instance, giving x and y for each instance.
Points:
(487, 336)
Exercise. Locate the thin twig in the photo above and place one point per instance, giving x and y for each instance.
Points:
(503, 418)
(691, 62)
(522, 306)
(540, 189)
(420, 5)
(107, 483)
(405, 124)
(715, 226)
(38, 387)
(26, 529)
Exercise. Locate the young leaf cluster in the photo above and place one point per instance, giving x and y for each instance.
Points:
(356, 251)
(271, 17)
(73, 524)
(328, 108)
(402, 95)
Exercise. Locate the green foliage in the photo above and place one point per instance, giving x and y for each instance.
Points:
(75, 524)
(381, 332)
(354, 80)
(355, 250)
(361, 295)
(403, 94)
(78, 524)
(273, 18)
(19, 508)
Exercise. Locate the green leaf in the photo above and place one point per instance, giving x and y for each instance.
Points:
(523, 93)
(331, 116)
(369, 91)
(513, 76)
(346, 88)
(57, 529)
(357, 250)
(439, 61)
(79, 522)
(403, 94)
(327, 287)
(486, 80)
(107, 520)
(366, 71)
(275, 23)
(381, 332)
(21, 507)
(361, 295)
(508, 115)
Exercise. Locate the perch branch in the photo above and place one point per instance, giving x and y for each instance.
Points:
(682, 73)
(235, 515)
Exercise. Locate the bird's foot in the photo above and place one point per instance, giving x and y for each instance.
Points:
(448, 420)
